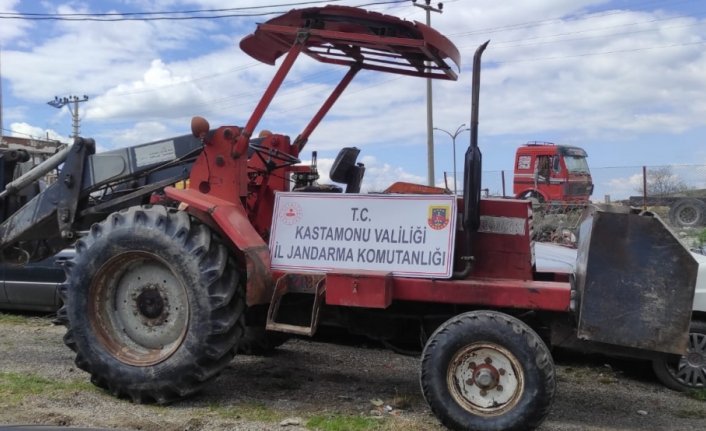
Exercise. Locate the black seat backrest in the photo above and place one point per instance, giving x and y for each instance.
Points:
(345, 170)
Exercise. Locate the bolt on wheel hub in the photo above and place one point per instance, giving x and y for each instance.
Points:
(485, 379)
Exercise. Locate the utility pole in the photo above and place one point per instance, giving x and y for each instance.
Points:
(60, 102)
(428, 8)
(453, 143)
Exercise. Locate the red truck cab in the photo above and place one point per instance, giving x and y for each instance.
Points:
(552, 173)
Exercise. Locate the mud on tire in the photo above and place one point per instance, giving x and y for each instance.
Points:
(485, 370)
(154, 305)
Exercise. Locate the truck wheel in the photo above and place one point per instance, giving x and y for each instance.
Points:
(154, 305)
(688, 372)
(485, 370)
(533, 196)
(687, 213)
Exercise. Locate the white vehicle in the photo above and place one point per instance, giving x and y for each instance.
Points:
(680, 373)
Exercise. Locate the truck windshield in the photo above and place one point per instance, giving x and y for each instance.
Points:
(576, 165)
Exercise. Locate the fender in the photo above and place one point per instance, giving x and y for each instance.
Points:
(232, 220)
(533, 190)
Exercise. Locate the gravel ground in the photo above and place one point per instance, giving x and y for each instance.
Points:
(313, 385)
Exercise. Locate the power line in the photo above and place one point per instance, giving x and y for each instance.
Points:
(182, 12)
(509, 43)
(539, 23)
(118, 17)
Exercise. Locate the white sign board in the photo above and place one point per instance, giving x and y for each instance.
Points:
(154, 153)
(408, 235)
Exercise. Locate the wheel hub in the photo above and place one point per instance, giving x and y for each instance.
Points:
(696, 359)
(687, 215)
(152, 305)
(141, 308)
(485, 379)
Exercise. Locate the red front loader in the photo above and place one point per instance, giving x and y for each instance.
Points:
(160, 297)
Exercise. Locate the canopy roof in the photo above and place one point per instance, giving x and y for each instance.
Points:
(356, 37)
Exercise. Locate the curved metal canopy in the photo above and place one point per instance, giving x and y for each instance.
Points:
(356, 37)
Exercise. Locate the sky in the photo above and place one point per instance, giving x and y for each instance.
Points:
(623, 79)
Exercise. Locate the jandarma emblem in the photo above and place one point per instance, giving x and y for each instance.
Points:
(438, 216)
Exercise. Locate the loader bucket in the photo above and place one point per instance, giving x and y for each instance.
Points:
(635, 281)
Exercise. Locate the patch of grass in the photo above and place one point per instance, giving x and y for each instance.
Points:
(250, 412)
(343, 423)
(15, 319)
(14, 387)
(699, 394)
(702, 236)
(690, 414)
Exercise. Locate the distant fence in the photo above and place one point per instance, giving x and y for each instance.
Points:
(619, 183)
(615, 185)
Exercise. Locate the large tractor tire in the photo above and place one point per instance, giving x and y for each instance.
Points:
(485, 370)
(687, 212)
(154, 305)
(687, 372)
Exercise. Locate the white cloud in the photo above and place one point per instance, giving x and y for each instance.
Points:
(24, 130)
(141, 133)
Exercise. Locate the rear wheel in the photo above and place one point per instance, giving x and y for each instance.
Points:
(485, 370)
(687, 213)
(154, 305)
(687, 372)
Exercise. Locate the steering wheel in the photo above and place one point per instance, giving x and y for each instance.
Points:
(268, 155)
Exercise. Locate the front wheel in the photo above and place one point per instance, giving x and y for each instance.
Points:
(485, 370)
(687, 372)
(154, 304)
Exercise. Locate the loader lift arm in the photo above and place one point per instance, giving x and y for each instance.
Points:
(89, 187)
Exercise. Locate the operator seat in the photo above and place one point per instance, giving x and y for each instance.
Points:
(346, 170)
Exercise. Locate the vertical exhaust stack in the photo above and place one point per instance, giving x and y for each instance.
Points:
(472, 167)
(474, 160)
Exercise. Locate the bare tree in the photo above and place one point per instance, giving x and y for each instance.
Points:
(663, 182)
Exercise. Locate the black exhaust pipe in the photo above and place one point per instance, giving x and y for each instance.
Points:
(473, 165)
(474, 158)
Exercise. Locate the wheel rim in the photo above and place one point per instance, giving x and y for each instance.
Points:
(485, 379)
(139, 308)
(687, 215)
(690, 369)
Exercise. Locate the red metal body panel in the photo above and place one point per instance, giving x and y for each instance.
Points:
(503, 243)
(215, 172)
(233, 221)
(372, 290)
(362, 289)
(500, 293)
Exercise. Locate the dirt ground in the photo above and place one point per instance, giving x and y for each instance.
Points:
(312, 385)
